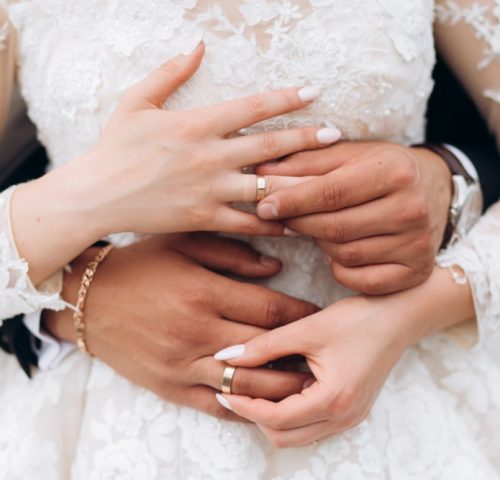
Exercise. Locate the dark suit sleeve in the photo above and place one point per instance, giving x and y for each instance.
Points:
(453, 118)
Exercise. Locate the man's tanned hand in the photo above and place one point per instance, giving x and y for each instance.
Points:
(378, 210)
(157, 316)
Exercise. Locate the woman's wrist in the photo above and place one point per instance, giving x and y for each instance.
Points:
(50, 223)
(436, 305)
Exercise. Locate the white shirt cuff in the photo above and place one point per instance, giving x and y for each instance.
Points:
(51, 351)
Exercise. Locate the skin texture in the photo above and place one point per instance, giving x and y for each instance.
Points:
(350, 348)
(378, 210)
(156, 171)
(156, 314)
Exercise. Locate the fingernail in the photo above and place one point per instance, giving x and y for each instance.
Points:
(308, 94)
(267, 211)
(230, 353)
(192, 47)
(288, 232)
(308, 383)
(269, 261)
(328, 135)
(222, 400)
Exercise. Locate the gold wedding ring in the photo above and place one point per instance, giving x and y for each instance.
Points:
(227, 379)
(261, 188)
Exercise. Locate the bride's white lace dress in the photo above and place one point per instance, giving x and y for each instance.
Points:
(438, 416)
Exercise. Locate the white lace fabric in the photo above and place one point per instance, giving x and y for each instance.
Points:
(438, 416)
(477, 24)
(17, 293)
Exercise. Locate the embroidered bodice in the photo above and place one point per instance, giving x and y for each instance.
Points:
(372, 60)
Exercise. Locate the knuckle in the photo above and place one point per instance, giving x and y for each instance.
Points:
(257, 106)
(349, 255)
(335, 230)
(405, 170)
(273, 313)
(373, 285)
(332, 195)
(271, 144)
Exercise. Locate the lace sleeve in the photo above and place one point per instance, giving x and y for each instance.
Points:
(468, 36)
(17, 293)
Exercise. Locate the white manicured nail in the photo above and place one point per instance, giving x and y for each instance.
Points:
(328, 135)
(308, 94)
(222, 400)
(230, 353)
(192, 46)
(288, 232)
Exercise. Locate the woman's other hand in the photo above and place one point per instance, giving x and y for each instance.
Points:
(350, 348)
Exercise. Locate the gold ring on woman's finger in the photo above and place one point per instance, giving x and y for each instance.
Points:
(261, 188)
(227, 379)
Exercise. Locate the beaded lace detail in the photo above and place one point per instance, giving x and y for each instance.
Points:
(484, 18)
(436, 418)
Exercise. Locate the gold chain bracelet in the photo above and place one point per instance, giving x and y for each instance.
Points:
(87, 278)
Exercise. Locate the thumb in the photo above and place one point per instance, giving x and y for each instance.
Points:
(275, 344)
(155, 89)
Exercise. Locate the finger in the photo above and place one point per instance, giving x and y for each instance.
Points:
(231, 116)
(155, 89)
(272, 345)
(376, 279)
(380, 217)
(346, 187)
(220, 253)
(243, 187)
(367, 251)
(230, 220)
(253, 149)
(260, 306)
(203, 399)
(316, 162)
(302, 436)
(259, 382)
(295, 411)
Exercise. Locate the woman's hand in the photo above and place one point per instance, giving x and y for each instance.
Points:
(350, 348)
(157, 316)
(159, 171)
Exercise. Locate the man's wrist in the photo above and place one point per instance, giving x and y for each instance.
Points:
(60, 324)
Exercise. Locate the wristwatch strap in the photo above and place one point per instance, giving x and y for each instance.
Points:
(457, 168)
(454, 164)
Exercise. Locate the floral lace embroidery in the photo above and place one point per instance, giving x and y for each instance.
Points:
(372, 60)
(485, 19)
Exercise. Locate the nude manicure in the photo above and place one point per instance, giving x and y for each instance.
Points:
(308, 94)
(230, 353)
(222, 400)
(329, 135)
(267, 211)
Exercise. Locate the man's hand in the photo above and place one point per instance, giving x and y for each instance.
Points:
(378, 210)
(157, 317)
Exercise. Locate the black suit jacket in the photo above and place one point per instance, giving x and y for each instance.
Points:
(452, 118)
